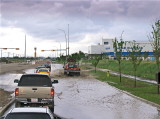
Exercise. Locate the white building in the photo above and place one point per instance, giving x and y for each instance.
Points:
(106, 47)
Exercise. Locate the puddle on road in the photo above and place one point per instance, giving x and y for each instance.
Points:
(7, 79)
(80, 98)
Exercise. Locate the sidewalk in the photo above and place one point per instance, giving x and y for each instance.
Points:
(126, 75)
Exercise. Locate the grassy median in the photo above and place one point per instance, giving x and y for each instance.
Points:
(144, 90)
(147, 69)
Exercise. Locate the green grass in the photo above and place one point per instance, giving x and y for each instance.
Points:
(83, 67)
(144, 90)
(146, 69)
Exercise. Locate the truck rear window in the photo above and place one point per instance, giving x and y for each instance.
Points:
(72, 66)
(35, 80)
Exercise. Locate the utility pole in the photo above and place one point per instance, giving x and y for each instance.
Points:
(68, 39)
(35, 52)
(66, 43)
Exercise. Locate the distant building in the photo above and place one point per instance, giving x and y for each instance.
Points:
(106, 47)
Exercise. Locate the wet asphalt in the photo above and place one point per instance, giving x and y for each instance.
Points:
(88, 98)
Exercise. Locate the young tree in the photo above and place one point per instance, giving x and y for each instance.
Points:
(63, 59)
(136, 57)
(155, 41)
(78, 56)
(95, 61)
(118, 48)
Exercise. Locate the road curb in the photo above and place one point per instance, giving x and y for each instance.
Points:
(141, 99)
(144, 100)
(6, 107)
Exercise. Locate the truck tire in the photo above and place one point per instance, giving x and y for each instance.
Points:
(51, 106)
(78, 74)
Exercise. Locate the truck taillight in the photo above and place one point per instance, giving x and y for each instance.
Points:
(52, 92)
(16, 92)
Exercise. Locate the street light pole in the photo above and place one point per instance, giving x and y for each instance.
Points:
(65, 38)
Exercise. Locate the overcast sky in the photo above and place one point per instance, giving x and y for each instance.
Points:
(89, 21)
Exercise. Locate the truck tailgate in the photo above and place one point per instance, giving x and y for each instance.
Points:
(34, 92)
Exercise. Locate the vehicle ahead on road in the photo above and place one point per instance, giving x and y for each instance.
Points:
(71, 68)
(35, 89)
(39, 67)
(43, 71)
(29, 113)
(48, 66)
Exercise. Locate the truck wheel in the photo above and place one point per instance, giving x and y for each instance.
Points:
(78, 73)
(18, 104)
(51, 106)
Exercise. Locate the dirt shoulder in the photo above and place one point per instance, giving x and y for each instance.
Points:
(17, 67)
(6, 97)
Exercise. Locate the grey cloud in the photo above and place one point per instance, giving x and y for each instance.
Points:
(43, 18)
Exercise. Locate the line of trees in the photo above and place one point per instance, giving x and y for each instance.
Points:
(77, 56)
(135, 53)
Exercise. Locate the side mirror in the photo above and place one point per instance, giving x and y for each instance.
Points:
(55, 81)
(16, 81)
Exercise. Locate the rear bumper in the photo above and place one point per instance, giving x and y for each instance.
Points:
(38, 101)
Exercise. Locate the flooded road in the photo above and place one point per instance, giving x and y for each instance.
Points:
(88, 98)
(7, 81)
(91, 99)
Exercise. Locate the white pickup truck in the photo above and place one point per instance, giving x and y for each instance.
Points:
(35, 89)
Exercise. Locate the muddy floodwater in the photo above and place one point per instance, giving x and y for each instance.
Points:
(79, 98)
(88, 98)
